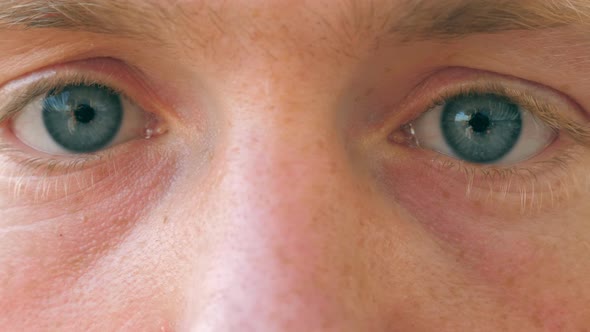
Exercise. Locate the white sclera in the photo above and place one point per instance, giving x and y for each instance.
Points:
(28, 126)
(534, 138)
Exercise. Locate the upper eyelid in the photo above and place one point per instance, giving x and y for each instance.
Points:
(127, 81)
(553, 117)
(23, 96)
(19, 97)
(547, 112)
(52, 78)
(519, 90)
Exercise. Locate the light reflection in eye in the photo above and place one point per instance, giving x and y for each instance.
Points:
(482, 128)
(78, 119)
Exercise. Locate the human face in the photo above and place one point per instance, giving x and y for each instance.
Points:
(280, 165)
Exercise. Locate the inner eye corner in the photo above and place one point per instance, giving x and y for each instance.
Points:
(404, 135)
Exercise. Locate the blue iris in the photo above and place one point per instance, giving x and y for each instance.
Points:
(83, 118)
(481, 128)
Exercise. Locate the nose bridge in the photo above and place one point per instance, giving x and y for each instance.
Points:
(284, 160)
(282, 151)
(273, 259)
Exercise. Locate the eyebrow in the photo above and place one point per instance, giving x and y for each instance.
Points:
(128, 19)
(421, 19)
(93, 16)
(427, 19)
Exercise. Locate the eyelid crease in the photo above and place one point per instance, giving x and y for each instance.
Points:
(550, 114)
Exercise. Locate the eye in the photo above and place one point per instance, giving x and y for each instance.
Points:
(77, 119)
(482, 128)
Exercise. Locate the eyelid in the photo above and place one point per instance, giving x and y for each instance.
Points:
(552, 107)
(107, 72)
(549, 113)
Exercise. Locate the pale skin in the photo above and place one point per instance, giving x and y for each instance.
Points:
(277, 191)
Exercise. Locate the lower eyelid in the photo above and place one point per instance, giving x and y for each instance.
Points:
(36, 180)
(442, 183)
(545, 172)
(27, 162)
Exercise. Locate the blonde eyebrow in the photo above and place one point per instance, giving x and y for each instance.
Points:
(419, 19)
(94, 16)
(142, 20)
(427, 19)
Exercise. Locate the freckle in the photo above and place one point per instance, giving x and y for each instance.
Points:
(477, 204)
(446, 195)
(369, 92)
(77, 200)
(288, 120)
(360, 243)
(536, 320)
(321, 144)
(509, 282)
(61, 235)
(165, 220)
(461, 255)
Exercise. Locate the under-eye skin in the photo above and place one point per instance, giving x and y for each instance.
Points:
(64, 121)
(495, 135)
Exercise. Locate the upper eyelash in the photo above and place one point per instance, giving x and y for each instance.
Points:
(44, 86)
(22, 93)
(548, 113)
(521, 179)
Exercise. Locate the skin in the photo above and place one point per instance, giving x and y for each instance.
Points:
(275, 199)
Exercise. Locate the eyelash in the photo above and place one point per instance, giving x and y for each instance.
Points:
(494, 185)
(495, 178)
(491, 181)
(41, 84)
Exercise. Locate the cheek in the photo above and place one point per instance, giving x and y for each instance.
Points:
(50, 238)
(518, 257)
(464, 225)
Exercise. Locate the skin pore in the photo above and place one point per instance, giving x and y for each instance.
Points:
(270, 180)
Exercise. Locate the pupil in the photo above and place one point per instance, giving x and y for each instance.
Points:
(84, 113)
(480, 123)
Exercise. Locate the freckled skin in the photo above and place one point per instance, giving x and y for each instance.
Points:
(276, 200)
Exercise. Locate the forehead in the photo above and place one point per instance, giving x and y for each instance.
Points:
(333, 24)
(405, 15)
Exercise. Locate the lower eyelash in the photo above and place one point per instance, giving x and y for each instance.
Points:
(46, 167)
(537, 186)
(44, 178)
